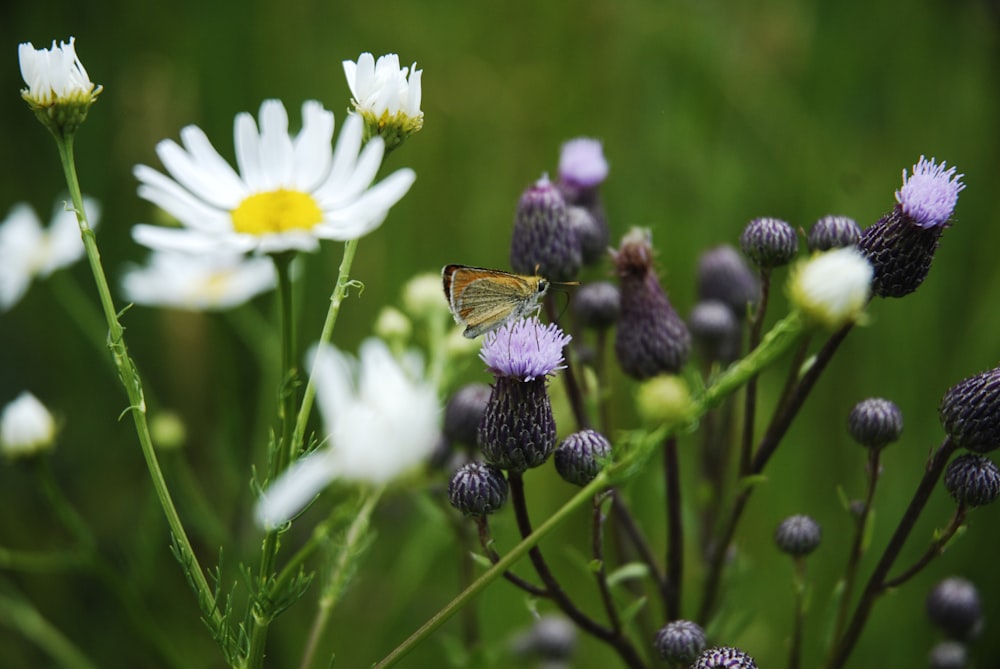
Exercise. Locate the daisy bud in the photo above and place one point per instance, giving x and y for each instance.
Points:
(901, 245)
(723, 275)
(59, 90)
(724, 657)
(651, 338)
(477, 489)
(875, 422)
(954, 606)
(833, 232)
(769, 242)
(715, 330)
(580, 455)
(26, 428)
(948, 655)
(970, 412)
(973, 480)
(464, 412)
(544, 242)
(597, 305)
(680, 642)
(831, 289)
(518, 430)
(798, 536)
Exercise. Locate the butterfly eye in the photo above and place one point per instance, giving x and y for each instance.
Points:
(543, 285)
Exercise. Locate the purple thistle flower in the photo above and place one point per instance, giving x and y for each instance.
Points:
(928, 196)
(901, 245)
(518, 431)
(582, 163)
(524, 350)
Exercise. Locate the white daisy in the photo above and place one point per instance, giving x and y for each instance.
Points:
(29, 251)
(26, 427)
(832, 288)
(386, 95)
(289, 193)
(198, 282)
(381, 420)
(55, 75)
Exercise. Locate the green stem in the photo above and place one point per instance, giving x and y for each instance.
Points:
(278, 455)
(339, 574)
(336, 299)
(129, 378)
(584, 496)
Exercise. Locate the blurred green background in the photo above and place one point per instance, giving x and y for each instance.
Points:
(711, 113)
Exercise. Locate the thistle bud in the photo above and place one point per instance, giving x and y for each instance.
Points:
(798, 536)
(651, 338)
(724, 657)
(544, 241)
(972, 480)
(833, 232)
(579, 457)
(769, 242)
(477, 489)
(875, 422)
(954, 606)
(970, 412)
(680, 642)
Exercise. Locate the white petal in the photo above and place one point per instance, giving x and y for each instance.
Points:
(312, 159)
(180, 203)
(290, 493)
(275, 146)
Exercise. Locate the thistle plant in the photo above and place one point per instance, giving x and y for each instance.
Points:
(639, 435)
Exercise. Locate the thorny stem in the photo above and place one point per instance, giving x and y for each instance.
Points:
(876, 583)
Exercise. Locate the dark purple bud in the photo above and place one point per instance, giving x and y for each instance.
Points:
(769, 242)
(833, 232)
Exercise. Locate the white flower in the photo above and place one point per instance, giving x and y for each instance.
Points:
(26, 427)
(832, 288)
(290, 192)
(383, 89)
(214, 281)
(28, 251)
(381, 420)
(54, 75)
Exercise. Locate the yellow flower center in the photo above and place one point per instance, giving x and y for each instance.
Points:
(276, 211)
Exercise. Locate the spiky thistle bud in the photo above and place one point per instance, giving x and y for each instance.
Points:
(769, 242)
(580, 456)
(477, 489)
(715, 330)
(724, 657)
(875, 422)
(970, 412)
(544, 241)
(973, 480)
(680, 642)
(651, 338)
(798, 535)
(833, 232)
(901, 245)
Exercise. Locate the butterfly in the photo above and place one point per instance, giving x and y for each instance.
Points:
(484, 299)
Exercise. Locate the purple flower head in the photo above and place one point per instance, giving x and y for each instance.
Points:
(929, 195)
(582, 163)
(525, 349)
